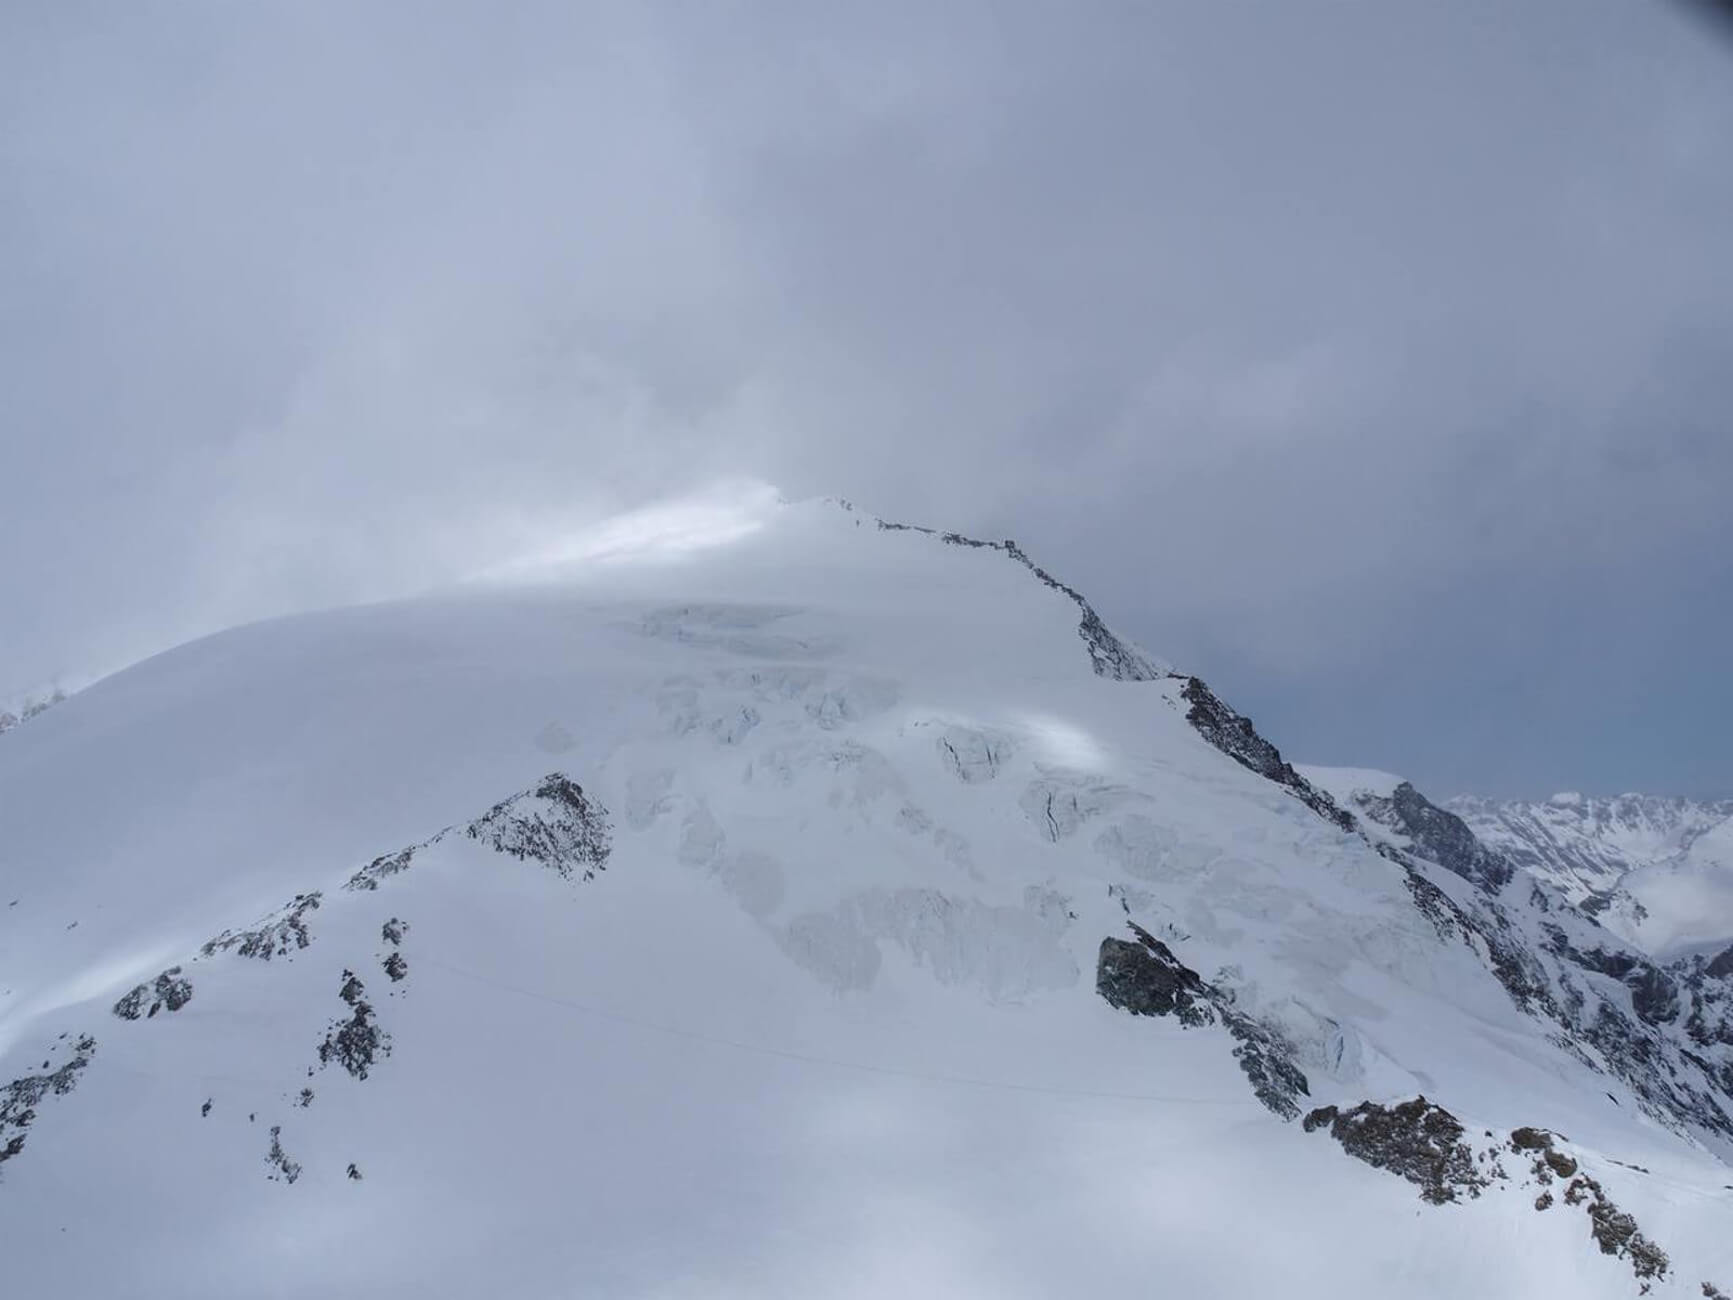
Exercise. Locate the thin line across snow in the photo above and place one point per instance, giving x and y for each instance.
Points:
(813, 1059)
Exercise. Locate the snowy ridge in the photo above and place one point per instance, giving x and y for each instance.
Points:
(1108, 654)
(848, 933)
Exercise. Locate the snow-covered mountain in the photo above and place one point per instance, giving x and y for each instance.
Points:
(834, 909)
(1658, 871)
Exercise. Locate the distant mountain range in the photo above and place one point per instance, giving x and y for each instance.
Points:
(1656, 870)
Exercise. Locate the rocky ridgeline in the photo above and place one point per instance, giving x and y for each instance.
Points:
(170, 991)
(31, 709)
(1109, 655)
(20, 1098)
(1628, 1021)
(283, 932)
(1425, 1144)
(1438, 836)
(1666, 1034)
(1235, 736)
(1146, 979)
(1416, 1140)
(555, 824)
(375, 872)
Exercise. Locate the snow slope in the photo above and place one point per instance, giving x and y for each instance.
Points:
(770, 917)
(1658, 870)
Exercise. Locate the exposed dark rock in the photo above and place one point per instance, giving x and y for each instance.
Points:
(1683, 1088)
(556, 824)
(1713, 1292)
(352, 990)
(354, 1172)
(19, 1099)
(1722, 966)
(169, 991)
(1530, 1139)
(1654, 997)
(1678, 1087)
(1146, 979)
(1547, 1161)
(278, 935)
(369, 876)
(1490, 935)
(1674, 1085)
(205, 1109)
(358, 1042)
(1654, 994)
(1416, 1140)
(283, 1167)
(1267, 1062)
(1317, 1119)
(1615, 1231)
(392, 931)
(1438, 836)
(1235, 736)
(396, 967)
(305, 1099)
(1709, 988)
(1108, 655)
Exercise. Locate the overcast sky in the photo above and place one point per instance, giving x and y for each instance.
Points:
(1372, 358)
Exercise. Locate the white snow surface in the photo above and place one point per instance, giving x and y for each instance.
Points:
(825, 1025)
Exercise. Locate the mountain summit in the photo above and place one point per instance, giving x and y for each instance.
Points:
(832, 908)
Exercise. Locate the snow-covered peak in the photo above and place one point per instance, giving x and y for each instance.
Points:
(826, 907)
(1346, 782)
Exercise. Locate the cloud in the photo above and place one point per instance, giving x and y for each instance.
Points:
(1300, 335)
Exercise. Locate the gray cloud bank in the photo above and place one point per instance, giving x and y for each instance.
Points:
(1373, 358)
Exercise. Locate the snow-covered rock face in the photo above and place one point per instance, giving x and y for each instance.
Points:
(839, 910)
(1657, 871)
(31, 707)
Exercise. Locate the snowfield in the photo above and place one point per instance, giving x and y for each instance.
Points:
(813, 908)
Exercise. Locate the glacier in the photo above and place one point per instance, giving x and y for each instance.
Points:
(823, 907)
